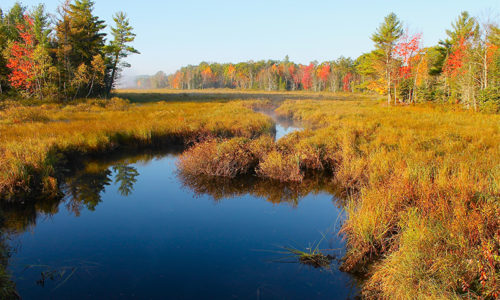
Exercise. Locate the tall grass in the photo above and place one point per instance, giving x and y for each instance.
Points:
(422, 186)
(35, 140)
(427, 202)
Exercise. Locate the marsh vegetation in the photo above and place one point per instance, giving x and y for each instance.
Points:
(419, 184)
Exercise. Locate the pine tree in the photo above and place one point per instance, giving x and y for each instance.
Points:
(119, 48)
(41, 23)
(79, 40)
(385, 39)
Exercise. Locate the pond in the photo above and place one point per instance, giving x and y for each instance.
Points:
(131, 227)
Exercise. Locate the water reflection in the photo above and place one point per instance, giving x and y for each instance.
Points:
(273, 191)
(167, 234)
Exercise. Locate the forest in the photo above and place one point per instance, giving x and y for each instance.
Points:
(64, 59)
(463, 68)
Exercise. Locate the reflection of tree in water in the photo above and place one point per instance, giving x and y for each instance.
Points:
(127, 177)
(7, 286)
(82, 188)
(275, 192)
(85, 187)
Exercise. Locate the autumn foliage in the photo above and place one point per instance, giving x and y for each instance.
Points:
(20, 58)
(455, 61)
(407, 48)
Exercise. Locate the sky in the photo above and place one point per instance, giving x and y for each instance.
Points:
(173, 33)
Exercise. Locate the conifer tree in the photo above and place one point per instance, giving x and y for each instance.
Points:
(385, 39)
(119, 48)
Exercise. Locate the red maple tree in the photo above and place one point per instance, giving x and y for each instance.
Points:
(455, 61)
(406, 49)
(324, 72)
(307, 76)
(347, 82)
(20, 57)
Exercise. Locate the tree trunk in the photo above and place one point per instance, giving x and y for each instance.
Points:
(113, 74)
(395, 94)
(389, 89)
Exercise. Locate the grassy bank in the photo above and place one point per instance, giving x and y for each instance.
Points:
(35, 140)
(422, 184)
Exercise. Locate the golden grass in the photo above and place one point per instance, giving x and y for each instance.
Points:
(169, 95)
(34, 140)
(423, 185)
(422, 182)
(427, 201)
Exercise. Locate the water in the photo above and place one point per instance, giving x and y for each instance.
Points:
(133, 228)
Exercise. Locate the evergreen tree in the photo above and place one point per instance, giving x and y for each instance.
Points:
(4, 71)
(14, 17)
(465, 27)
(119, 48)
(385, 39)
(79, 40)
(41, 23)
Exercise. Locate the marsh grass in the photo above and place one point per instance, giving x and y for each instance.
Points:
(422, 188)
(209, 95)
(425, 194)
(312, 255)
(422, 182)
(36, 140)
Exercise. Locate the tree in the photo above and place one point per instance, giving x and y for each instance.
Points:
(159, 80)
(307, 74)
(459, 66)
(79, 39)
(385, 39)
(20, 58)
(85, 35)
(41, 25)
(14, 17)
(119, 48)
(465, 27)
(407, 50)
(4, 71)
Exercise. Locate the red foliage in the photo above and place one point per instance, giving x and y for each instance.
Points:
(456, 59)
(20, 59)
(347, 82)
(307, 76)
(406, 49)
(176, 82)
(324, 72)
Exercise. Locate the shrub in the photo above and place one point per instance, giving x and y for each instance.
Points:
(489, 99)
(282, 167)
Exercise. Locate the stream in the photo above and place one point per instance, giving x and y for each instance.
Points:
(130, 227)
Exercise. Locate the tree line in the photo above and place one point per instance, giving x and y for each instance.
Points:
(64, 55)
(462, 68)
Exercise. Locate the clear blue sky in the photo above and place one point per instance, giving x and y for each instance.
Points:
(174, 33)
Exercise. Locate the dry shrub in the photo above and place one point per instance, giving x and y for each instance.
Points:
(116, 103)
(225, 158)
(21, 114)
(279, 166)
(228, 158)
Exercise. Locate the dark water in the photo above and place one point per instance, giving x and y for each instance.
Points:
(133, 228)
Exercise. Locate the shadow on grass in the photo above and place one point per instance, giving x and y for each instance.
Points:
(145, 96)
